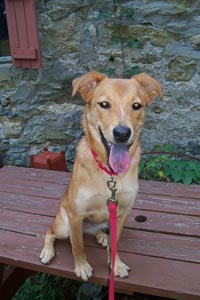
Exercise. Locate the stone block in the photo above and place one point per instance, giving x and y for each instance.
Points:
(5, 72)
(11, 129)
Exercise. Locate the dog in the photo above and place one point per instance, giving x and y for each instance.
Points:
(113, 117)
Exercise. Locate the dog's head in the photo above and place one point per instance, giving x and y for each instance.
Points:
(114, 113)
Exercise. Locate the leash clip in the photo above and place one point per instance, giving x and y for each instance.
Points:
(112, 187)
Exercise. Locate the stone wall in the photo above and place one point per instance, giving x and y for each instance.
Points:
(119, 38)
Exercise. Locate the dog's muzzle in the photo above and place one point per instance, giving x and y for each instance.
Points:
(118, 152)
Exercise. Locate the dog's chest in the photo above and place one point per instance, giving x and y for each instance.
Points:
(91, 201)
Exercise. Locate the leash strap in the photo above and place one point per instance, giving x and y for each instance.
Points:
(112, 207)
(113, 232)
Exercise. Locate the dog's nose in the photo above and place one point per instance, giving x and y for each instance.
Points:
(121, 133)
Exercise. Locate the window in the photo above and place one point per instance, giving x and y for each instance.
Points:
(23, 33)
(4, 40)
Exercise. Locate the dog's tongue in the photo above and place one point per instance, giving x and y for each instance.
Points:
(119, 158)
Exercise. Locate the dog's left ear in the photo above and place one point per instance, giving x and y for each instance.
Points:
(151, 87)
(86, 84)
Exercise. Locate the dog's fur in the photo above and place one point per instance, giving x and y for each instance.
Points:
(110, 103)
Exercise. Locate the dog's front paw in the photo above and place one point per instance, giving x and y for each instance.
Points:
(84, 270)
(47, 255)
(120, 268)
(102, 238)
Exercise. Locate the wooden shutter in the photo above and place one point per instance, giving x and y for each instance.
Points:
(23, 33)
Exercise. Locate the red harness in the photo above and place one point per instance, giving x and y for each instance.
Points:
(112, 207)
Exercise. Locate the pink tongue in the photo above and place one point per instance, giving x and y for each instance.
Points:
(119, 159)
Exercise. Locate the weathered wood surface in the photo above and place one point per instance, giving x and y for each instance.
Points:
(163, 252)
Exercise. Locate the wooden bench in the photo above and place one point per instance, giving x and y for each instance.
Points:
(163, 251)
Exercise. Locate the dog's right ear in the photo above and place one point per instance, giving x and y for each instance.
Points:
(151, 86)
(86, 84)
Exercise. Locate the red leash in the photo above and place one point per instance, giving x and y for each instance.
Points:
(113, 233)
(112, 207)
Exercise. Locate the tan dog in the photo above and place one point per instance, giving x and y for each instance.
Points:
(113, 118)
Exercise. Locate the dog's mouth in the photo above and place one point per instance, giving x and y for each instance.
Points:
(118, 154)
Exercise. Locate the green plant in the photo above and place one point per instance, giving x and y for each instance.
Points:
(163, 164)
(43, 287)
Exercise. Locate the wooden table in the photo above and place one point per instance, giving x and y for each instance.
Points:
(161, 240)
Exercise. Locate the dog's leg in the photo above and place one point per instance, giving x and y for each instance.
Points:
(48, 253)
(82, 268)
(59, 230)
(102, 238)
(120, 269)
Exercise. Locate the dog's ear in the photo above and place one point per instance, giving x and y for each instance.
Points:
(152, 87)
(86, 84)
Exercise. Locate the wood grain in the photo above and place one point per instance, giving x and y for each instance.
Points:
(163, 251)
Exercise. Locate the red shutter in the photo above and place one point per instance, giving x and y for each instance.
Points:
(23, 33)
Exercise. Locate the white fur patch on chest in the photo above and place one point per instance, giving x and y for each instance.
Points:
(91, 201)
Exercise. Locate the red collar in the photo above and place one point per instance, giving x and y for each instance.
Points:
(101, 166)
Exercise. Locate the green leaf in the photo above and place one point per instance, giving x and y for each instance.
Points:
(197, 178)
(168, 147)
(176, 174)
(167, 172)
(188, 177)
(190, 165)
(164, 147)
(197, 168)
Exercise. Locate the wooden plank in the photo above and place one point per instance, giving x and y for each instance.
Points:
(158, 245)
(146, 243)
(156, 221)
(30, 204)
(22, 29)
(146, 186)
(32, 188)
(8, 270)
(13, 282)
(168, 204)
(23, 33)
(1, 272)
(149, 275)
(12, 29)
(32, 29)
(34, 204)
(35, 174)
(24, 53)
(162, 222)
(156, 258)
(180, 248)
(169, 188)
(24, 223)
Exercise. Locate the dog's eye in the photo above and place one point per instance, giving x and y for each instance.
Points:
(104, 104)
(136, 106)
